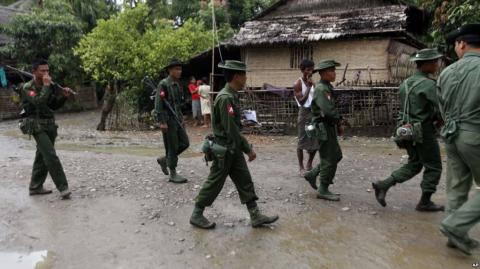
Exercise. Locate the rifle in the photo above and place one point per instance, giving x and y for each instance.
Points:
(149, 82)
(344, 76)
(30, 76)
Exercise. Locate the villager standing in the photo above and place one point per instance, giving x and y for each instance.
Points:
(168, 111)
(204, 91)
(304, 89)
(417, 119)
(196, 109)
(328, 125)
(39, 100)
(227, 149)
(459, 98)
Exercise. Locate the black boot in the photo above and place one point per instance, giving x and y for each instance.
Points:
(426, 204)
(380, 193)
(198, 220)
(163, 165)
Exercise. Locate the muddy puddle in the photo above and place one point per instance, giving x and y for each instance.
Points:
(33, 260)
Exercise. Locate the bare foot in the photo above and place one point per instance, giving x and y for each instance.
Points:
(301, 172)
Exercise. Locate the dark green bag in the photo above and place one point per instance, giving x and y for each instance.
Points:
(213, 150)
(27, 126)
(317, 131)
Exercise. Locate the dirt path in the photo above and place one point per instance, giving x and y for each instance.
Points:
(123, 213)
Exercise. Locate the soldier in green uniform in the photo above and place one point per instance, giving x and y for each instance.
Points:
(39, 100)
(175, 139)
(329, 123)
(226, 127)
(459, 98)
(419, 109)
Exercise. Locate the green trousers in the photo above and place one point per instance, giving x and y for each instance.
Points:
(463, 167)
(425, 156)
(235, 166)
(46, 159)
(176, 142)
(330, 156)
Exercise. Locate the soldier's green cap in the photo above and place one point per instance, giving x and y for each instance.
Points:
(426, 55)
(468, 32)
(174, 62)
(233, 65)
(325, 64)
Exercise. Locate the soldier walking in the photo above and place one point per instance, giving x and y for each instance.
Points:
(459, 97)
(39, 100)
(230, 145)
(168, 110)
(327, 120)
(419, 113)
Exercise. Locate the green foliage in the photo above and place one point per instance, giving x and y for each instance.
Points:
(129, 46)
(7, 2)
(89, 11)
(449, 15)
(48, 32)
(222, 19)
(243, 10)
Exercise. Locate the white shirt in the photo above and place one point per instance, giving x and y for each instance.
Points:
(307, 103)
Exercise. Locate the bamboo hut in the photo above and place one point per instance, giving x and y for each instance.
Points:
(375, 38)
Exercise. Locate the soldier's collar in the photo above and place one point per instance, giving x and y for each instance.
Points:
(418, 72)
(326, 83)
(172, 81)
(472, 53)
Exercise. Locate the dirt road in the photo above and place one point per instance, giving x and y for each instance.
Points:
(123, 213)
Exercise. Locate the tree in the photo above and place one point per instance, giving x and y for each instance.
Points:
(449, 15)
(129, 46)
(243, 10)
(89, 11)
(50, 32)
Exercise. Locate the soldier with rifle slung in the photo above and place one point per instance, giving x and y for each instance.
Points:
(40, 97)
(168, 112)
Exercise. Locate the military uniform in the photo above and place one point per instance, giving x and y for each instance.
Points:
(324, 112)
(175, 139)
(419, 106)
(227, 127)
(459, 96)
(39, 103)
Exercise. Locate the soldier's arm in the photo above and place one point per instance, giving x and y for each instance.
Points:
(328, 108)
(232, 130)
(160, 109)
(57, 101)
(34, 98)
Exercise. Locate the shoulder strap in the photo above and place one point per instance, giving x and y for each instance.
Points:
(406, 105)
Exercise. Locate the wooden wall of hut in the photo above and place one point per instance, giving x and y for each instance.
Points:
(368, 60)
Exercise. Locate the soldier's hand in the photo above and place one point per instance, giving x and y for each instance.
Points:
(163, 127)
(252, 155)
(47, 80)
(67, 91)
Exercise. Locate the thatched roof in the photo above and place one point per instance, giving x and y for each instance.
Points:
(299, 21)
